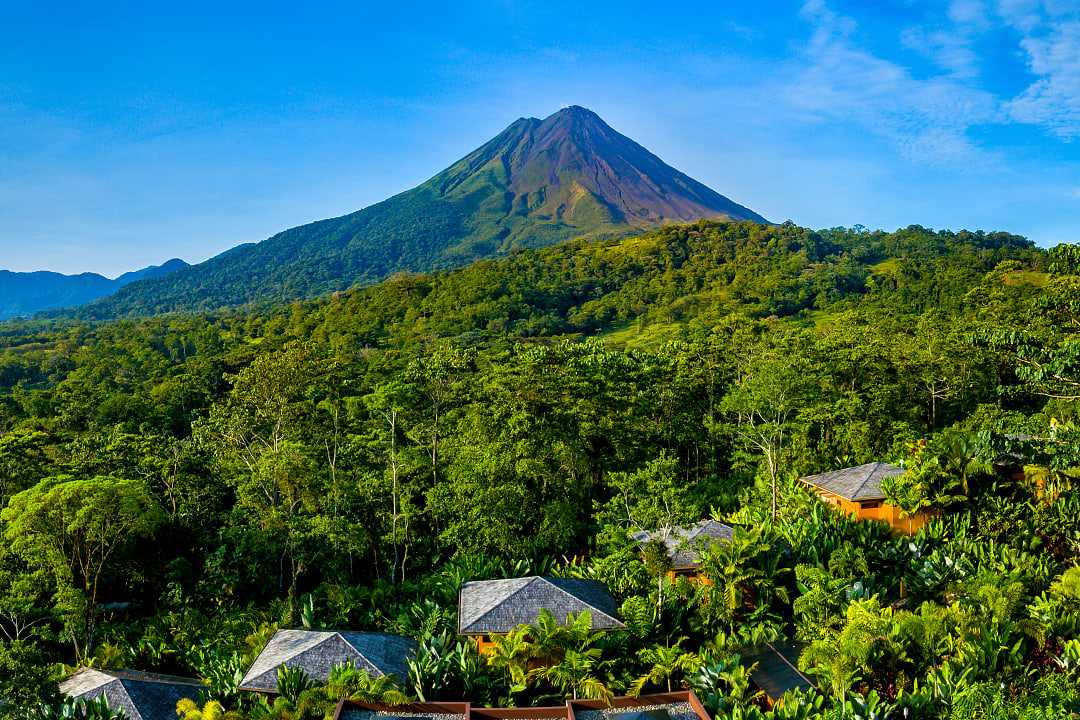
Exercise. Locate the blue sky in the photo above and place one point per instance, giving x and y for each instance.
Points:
(129, 135)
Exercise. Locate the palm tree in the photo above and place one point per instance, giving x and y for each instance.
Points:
(345, 681)
(737, 678)
(731, 568)
(666, 662)
(512, 653)
(213, 710)
(827, 661)
(293, 682)
(574, 674)
(964, 455)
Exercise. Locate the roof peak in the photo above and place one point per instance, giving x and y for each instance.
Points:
(859, 482)
(496, 606)
(136, 675)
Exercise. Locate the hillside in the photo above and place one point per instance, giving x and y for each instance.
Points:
(537, 183)
(348, 462)
(25, 293)
(659, 284)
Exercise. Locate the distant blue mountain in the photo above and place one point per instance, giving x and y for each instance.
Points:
(24, 293)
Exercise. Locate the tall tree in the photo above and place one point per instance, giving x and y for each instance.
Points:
(773, 383)
(77, 528)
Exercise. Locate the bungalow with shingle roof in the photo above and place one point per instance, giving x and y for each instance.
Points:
(317, 651)
(142, 696)
(495, 607)
(686, 544)
(857, 491)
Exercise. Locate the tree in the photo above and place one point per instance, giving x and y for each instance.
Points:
(23, 591)
(575, 672)
(841, 658)
(512, 653)
(664, 663)
(22, 461)
(653, 497)
(654, 554)
(733, 572)
(772, 385)
(386, 406)
(188, 709)
(345, 681)
(266, 436)
(437, 376)
(76, 528)
(820, 606)
(964, 455)
(27, 679)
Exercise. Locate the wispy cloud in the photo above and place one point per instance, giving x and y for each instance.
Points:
(1049, 41)
(929, 117)
(949, 50)
(1053, 100)
(1024, 15)
(926, 119)
(970, 12)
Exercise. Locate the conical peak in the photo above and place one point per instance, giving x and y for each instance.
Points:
(575, 115)
(577, 127)
(576, 111)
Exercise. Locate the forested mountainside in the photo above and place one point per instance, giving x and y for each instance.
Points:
(537, 183)
(22, 294)
(349, 462)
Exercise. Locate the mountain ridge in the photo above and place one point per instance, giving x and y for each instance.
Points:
(536, 183)
(23, 294)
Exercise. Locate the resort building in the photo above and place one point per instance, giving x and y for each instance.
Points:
(142, 696)
(489, 608)
(682, 705)
(857, 492)
(316, 652)
(685, 545)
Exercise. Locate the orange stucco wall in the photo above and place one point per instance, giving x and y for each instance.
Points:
(883, 512)
(694, 575)
(484, 644)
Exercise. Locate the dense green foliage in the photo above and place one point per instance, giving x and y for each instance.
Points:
(349, 462)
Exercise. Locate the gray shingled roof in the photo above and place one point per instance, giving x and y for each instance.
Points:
(684, 544)
(855, 483)
(498, 606)
(318, 651)
(142, 696)
(777, 669)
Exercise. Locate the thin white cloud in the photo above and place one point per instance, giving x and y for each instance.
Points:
(926, 119)
(969, 12)
(1024, 15)
(1052, 101)
(949, 50)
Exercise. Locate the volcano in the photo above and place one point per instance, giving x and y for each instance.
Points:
(536, 183)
